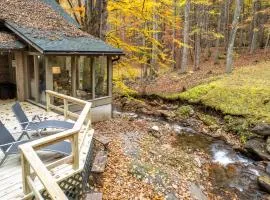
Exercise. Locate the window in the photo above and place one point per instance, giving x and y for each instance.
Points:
(61, 71)
(101, 77)
(84, 77)
(96, 75)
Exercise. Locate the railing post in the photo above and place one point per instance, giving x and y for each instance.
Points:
(25, 173)
(48, 101)
(65, 109)
(75, 151)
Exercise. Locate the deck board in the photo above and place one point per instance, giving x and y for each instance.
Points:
(10, 171)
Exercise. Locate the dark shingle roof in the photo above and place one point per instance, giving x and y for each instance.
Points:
(61, 11)
(9, 41)
(44, 25)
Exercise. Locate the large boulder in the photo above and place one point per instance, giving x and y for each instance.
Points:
(257, 146)
(262, 129)
(264, 182)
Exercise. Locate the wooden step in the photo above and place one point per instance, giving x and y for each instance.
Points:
(94, 196)
(100, 162)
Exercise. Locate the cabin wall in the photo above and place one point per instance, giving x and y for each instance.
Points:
(4, 68)
(7, 77)
(20, 75)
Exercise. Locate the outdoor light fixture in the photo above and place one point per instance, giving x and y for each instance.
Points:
(56, 70)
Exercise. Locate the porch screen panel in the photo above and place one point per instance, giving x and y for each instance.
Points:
(84, 87)
(101, 77)
(61, 71)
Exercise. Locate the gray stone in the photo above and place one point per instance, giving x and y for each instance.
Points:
(267, 169)
(268, 144)
(256, 146)
(264, 182)
(262, 129)
(155, 131)
(166, 114)
(94, 196)
(171, 196)
(155, 128)
(100, 162)
(180, 129)
(188, 130)
(196, 192)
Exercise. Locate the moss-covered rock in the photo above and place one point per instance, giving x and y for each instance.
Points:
(185, 111)
(239, 126)
(208, 119)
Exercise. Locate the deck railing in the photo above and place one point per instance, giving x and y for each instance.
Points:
(32, 166)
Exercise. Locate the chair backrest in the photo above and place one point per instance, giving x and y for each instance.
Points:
(20, 115)
(5, 137)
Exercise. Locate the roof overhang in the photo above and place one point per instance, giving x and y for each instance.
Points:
(22, 37)
(64, 52)
(83, 53)
(9, 42)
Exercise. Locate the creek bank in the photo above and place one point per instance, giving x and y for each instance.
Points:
(188, 119)
(203, 120)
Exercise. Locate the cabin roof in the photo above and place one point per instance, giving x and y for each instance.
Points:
(9, 41)
(44, 25)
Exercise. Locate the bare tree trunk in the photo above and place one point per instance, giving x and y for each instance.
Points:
(235, 23)
(197, 53)
(267, 42)
(206, 30)
(97, 15)
(242, 38)
(174, 34)
(255, 30)
(154, 56)
(216, 57)
(186, 39)
(226, 22)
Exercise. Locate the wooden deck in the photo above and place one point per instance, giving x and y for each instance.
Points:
(11, 173)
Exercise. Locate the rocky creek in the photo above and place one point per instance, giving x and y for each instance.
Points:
(227, 170)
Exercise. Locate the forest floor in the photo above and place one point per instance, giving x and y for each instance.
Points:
(174, 82)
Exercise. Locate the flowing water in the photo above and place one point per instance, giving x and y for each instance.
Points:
(229, 170)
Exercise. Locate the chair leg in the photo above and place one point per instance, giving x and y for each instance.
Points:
(21, 136)
(39, 133)
(3, 159)
(24, 133)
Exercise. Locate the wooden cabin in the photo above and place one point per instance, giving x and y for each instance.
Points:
(46, 61)
(42, 48)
